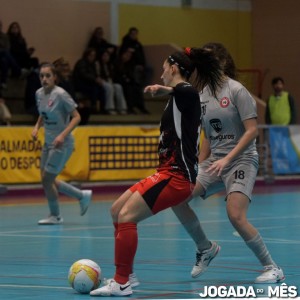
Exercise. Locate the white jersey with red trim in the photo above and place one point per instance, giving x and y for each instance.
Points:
(222, 118)
(55, 108)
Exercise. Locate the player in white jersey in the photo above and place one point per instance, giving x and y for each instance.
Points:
(59, 116)
(228, 157)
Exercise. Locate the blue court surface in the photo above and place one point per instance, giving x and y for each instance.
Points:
(35, 259)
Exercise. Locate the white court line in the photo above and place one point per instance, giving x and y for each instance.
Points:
(35, 286)
(165, 292)
(69, 288)
(40, 228)
(270, 240)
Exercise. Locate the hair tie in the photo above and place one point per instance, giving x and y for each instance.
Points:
(187, 51)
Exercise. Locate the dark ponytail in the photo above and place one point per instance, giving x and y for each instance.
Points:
(208, 70)
(204, 62)
(224, 57)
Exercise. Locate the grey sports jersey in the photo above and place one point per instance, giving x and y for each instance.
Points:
(55, 108)
(223, 117)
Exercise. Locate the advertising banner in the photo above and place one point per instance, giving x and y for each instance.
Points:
(285, 149)
(101, 153)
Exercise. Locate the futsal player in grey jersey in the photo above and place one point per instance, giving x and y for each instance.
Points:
(228, 157)
(59, 116)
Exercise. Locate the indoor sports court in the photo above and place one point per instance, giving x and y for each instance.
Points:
(35, 259)
(109, 149)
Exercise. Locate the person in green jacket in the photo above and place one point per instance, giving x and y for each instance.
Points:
(280, 108)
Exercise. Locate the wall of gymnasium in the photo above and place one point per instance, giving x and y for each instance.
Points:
(56, 28)
(276, 43)
(62, 27)
(191, 27)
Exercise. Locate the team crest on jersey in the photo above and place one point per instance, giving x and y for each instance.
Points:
(224, 102)
(216, 124)
(50, 102)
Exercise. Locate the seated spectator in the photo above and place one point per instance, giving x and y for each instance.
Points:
(117, 101)
(100, 44)
(64, 76)
(133, 90)
(87, 80)
(64, 80)
(18, 48)
(5, 115)
(280, 108)
(33, 83)
(7, 62)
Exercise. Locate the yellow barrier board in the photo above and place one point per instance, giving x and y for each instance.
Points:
(101, 154)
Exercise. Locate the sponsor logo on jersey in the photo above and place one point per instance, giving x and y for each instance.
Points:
(224, 102)
(50, 102)
(222, 137)
(216, 124)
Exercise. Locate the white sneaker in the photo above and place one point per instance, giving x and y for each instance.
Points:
(134, 281)
(270, 274)
(113, 289)
(51, 220)
(204, 258)
(85, 201)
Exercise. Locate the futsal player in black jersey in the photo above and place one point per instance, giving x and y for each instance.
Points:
(175, 178)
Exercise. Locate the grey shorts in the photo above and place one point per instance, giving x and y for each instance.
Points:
(238, 176)
(53, 160)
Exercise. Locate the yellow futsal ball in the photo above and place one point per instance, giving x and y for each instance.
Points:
(84, 276)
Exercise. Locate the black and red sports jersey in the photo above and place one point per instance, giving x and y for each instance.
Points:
(180, 132)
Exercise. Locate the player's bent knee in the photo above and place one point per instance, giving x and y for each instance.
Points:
(237, 219)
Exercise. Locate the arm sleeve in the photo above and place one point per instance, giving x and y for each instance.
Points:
(245, 104)
(68, 102)
(185, 96)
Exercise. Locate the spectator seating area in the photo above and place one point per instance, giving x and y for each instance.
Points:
(14, 96)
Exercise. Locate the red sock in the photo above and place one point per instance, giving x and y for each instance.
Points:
(125, 249)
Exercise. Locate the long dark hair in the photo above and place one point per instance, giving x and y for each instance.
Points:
(225, 58)
(202, 64)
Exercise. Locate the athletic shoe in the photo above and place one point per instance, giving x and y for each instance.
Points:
(85, 201)
(270, 274)
(134, 281)
(113, 289)
(51, 220)
(204, 258)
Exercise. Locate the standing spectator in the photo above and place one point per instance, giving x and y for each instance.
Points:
(280, 108)
(133, 90)
(131, 41)
(87, 80)
(100, 44)
(7, 62)
(18, 48)
(117, 101)
(59, 116)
